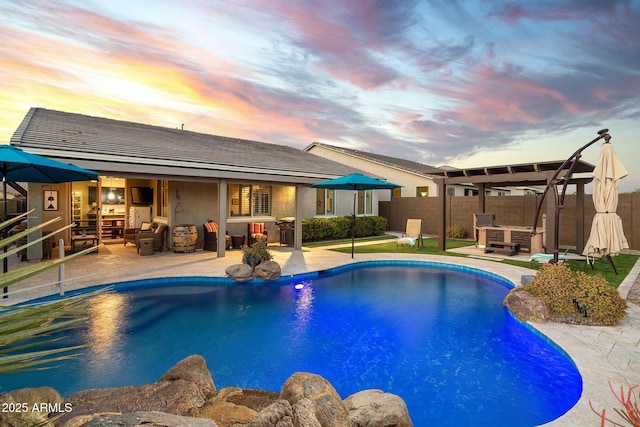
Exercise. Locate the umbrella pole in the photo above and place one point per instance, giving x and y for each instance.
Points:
(5, 261)
(353, 224)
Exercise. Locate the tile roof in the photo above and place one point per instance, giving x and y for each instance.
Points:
(407, 165)
(76, 136)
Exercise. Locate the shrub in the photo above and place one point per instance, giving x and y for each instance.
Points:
(556, 285)
(603, 302)
(456, 232)
(337, 228)
(256, 254)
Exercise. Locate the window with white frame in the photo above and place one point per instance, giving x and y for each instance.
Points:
(249, 200)
(163, 209)
(365, 202)
(324, 201)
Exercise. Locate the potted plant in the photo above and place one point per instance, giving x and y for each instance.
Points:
(254, 255)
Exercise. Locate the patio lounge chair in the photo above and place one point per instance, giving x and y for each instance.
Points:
(211, 237)
(565, 256)
(129, 234)
(413, 231)
(256, 231)
(157, 234)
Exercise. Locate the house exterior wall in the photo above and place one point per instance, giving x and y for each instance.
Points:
(192, 203)
(513, 210)
(343, 200)
(409, 181)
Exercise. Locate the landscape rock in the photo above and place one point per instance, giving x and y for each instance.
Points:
(329, 409)
(525, 307)
(268, 270)
(193, 369)
(239, 272)
(37, 395)
(525, 279)
(177, 396)
(13, 418)
(304, 414)
(233, 405)
(375, 408)
(136, 419)
(277, 414)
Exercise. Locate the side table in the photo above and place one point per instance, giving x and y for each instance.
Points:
(146, 246)
(81, 241)
(237, 241)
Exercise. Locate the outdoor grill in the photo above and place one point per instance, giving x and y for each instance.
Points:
(286, 226)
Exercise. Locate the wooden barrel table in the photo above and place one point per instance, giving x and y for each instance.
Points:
(185, 238)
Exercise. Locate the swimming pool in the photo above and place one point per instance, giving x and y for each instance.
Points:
(436, 335)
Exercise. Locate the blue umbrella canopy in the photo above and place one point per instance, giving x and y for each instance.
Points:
(17, 165)
(355, 182)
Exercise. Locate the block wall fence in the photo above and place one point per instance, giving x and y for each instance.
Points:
(509, 210)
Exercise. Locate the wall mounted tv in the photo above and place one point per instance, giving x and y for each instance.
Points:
(142, 195)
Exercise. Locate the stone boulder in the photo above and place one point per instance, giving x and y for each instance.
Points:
(525, 307)
(37, 395)
(26, 398)
(375, 408)
(239, 272)
(277, 414)
(193, 369)
(304, 414)
(179, 393)
(329, 410)
(136, 419)
(525, 279)
(233, 405)
(268, 270)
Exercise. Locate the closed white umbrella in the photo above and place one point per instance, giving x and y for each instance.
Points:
(607, 237)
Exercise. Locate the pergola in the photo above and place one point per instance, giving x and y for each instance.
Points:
(528, 175)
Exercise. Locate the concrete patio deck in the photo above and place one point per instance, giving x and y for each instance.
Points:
(602, 354)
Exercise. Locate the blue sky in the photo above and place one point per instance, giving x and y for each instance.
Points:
(468, 83)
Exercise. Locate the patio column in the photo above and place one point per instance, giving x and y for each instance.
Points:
(222, 217)
(482, 202)
(580, 215)
(551, 226)
(297, 226)
(442, 226)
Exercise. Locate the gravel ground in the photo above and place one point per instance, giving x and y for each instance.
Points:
(634, 292)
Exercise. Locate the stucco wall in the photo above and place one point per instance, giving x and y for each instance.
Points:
(192, 203)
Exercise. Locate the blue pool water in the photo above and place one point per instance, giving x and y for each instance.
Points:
(438, 337)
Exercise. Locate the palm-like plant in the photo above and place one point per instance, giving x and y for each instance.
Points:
(25, 328)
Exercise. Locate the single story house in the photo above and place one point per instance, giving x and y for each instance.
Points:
(176, 177)
(417, 179)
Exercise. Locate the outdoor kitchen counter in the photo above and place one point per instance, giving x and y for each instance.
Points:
(513, 234)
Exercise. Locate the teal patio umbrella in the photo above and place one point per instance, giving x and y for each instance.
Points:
(355, 182)
(17, 165)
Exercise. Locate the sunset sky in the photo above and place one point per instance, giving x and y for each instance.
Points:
(468, 83)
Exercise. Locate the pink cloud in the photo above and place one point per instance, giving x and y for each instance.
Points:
(344, 37)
